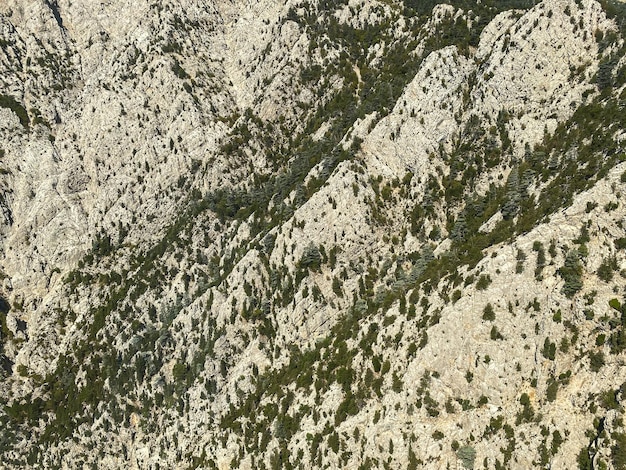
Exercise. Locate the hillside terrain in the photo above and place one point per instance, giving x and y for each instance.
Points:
(313, 234)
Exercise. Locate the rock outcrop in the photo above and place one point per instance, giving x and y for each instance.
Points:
(352, 234)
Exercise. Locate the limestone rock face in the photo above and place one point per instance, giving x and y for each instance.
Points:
(361, 234)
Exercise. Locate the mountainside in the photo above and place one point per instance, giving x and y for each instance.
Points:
(313, 234)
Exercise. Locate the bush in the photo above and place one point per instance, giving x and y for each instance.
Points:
(551, 390)
(348, 407)
(311, 258)
(614, 304)
(606, 269)
(11, 103)
(596, 360)
(618, 451)
(521, 257)
(549, 349)
(495, 334)
(583, 459)
(333, 442)
(483, 282)
(467, 456)
(488, 313)
(571, 272)
(179, 71)
(337, 287)
(541, 259)
(527, 413)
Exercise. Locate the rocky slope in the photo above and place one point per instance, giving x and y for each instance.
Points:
(316, 234)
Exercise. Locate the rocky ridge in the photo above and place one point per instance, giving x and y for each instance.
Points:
(326, 234)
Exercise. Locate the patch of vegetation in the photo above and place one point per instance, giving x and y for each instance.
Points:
(8, 102)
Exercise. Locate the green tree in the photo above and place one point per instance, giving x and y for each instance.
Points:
(467, 456)
(571, 272)
(311, 258)
(488, 313)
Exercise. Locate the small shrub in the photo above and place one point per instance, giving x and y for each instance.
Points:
(337, 287)
(467, 456)
(571, 272)
(488, 313)
(549, 349)
(483, 282)
(551, 390)
(606, 269)
(527, 412)
(614, 304)
(495, 334)
(618, 451)
(596, 360)
(541, 259)
(11, 103)
(311, 258)
(521, 257)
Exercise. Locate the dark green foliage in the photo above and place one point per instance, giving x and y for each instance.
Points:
(604, 77)
(337, 287)
(457, 32)
(333, 442)
(414, 462)
(488, 313)
(615, 305)
(512, 198)
(4, 309)
(557, 440)
(596, 360)
(527, 413)
(571, 272)
(541, 259)
(311, 258)
(459, 230)
(495, 334)
(11, 103)
(606, 269)
(521, 257)
(347, 407)
(179, 371)
(171, 46)
(179, 71)
(549, 349)
(618, 451)
(583, 459)
(483, 282)
(552, 390)
(608, 399)
(583, 236)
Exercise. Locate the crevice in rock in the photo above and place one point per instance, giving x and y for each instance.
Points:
(54, 8)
